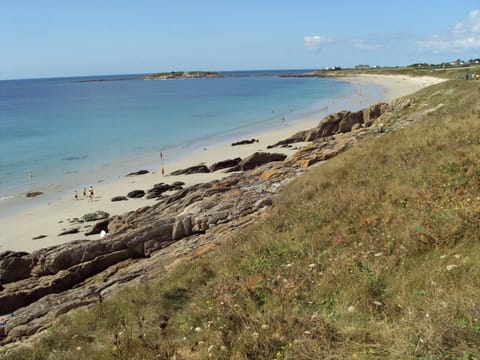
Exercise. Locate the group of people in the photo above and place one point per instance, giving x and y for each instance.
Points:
(86, 194)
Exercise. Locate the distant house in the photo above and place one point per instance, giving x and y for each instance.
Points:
(362, 67)
(333, 68)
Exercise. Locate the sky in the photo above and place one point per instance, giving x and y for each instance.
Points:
(54, 38)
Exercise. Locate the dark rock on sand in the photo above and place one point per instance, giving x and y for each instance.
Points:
(191, 170)
(158, 189)
(97, 215)
(225, 164)
(136, 194)
(39, 237)
(139, 172)
(257, 159)
(119, 198)
(34, 193)
(74, 230)
(245, 142)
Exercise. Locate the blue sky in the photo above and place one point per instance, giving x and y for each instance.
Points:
(46, 38)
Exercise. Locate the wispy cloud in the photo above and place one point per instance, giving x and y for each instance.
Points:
(362, 45)
(315, 42)
(463, 37)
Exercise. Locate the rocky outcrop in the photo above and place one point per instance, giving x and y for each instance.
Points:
(159, 189)
(225, 164)
(337, 123)
(192, 170)
(256, 160)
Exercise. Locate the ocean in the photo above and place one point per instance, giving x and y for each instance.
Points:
(68, 132)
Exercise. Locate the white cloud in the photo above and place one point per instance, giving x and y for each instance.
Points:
(464, 37)
(315, 42)
(360, 44)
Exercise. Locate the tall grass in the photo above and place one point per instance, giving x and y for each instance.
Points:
(373, 254)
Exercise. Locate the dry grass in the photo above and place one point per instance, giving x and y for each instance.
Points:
(374, 254)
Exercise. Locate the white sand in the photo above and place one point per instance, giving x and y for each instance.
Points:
(18, 229)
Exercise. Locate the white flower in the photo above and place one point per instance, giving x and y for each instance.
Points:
(451, 267)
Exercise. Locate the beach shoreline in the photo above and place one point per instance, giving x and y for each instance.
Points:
(48, 219)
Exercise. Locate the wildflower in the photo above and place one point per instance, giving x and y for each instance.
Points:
(451, 267)
(198, 329)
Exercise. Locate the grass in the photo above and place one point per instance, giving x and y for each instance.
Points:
(374, 254)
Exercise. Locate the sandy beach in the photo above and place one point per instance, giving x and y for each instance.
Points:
(50, 219)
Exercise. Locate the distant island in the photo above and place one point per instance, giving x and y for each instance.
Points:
(182, 75)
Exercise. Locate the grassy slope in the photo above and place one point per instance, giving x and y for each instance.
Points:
(374, 254)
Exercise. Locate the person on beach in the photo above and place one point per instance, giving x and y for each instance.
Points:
(75, 195)
(30, 175)
(90, 193)
(84, 193)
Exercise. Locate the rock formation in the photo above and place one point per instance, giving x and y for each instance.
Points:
(225, 164)
(341, 122)
(192, 170)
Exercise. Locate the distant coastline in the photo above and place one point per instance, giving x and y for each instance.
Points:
(182, 75)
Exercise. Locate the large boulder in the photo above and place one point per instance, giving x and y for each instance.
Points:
(191, 170)
(14, 266)
(257, 159)
(225, 164)
(136, 194)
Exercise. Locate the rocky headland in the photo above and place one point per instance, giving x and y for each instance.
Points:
(185, 222)
(182, 75)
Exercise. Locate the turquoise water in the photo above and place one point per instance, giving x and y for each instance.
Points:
(67, 131)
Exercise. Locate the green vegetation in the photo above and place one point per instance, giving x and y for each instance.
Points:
(449, 72)
(374, 254)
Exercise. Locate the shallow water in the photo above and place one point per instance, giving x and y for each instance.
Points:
(70, 133)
